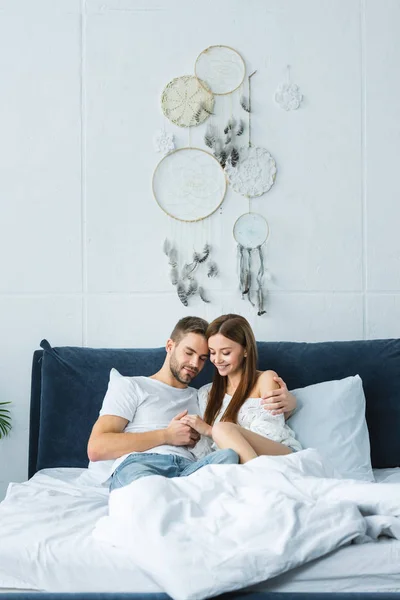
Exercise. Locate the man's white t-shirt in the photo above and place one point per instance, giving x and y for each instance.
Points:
(148, 405)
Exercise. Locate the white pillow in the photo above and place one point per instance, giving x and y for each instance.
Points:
(330, 417)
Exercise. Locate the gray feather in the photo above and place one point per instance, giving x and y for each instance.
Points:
(188, 269)
(240, 128)
(200, 258)
(180, 288)
(166, 246)
(173, 257)
(192, 288)
(244, 103)
(202, 295)
(174, 275)
(212, 270)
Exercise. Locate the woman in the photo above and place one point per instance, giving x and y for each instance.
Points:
(233, 414)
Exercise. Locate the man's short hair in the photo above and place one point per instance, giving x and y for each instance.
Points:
(188, 325)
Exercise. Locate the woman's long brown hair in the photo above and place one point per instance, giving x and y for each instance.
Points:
(237, 329)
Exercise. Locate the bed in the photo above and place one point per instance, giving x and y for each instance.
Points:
(47, 522)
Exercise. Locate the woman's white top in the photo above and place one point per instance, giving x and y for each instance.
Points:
(253, 416)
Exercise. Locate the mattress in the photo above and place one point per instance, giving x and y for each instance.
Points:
(46, 545)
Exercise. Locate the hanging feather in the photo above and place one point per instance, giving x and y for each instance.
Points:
(240, 128)
(174, 275)
(260, 274)
(260, 302)
(210, 137)
(248, 283)
(182, 293)
(228, 139)
(173, 257)
(212, 270)
(223, 158)
(217, 147)
(205, 109)
(188, 269)
(202, 257)
(166, 246)
(242, 269)
(192, 288)
(198, 112)
(202, 296)
(244, 103)
(234, 157)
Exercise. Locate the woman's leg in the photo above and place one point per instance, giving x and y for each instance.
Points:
(247, 444)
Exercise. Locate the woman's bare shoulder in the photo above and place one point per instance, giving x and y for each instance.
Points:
(265, 382)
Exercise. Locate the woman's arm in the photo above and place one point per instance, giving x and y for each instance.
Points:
(279, 400)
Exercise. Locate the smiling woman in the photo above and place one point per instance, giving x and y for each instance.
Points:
(5, 420)
(234, 415)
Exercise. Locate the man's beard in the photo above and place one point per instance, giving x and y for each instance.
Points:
(178, 372)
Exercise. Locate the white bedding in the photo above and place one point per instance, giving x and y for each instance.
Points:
(46, 544)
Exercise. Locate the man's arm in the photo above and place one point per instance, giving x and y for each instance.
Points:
(109, 441)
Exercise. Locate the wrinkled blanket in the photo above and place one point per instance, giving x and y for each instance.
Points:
(230, 526)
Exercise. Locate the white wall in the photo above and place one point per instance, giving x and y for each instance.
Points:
(80, 234)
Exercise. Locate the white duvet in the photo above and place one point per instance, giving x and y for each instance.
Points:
(227, 526)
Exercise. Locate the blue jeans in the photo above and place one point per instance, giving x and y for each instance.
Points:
(143, 464)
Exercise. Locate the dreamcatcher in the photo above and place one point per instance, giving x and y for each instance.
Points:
(189, 185)
(251, 231)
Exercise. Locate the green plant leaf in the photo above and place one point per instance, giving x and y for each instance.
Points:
(5, 420)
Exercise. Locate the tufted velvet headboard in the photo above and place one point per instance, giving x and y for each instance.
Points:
(69, 383)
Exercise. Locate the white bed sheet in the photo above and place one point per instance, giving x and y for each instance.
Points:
(50, 546)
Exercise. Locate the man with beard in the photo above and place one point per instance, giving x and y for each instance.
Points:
(139, 431)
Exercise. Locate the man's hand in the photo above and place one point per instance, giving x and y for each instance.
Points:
(197, 423)
(279, 401)
(179, 433)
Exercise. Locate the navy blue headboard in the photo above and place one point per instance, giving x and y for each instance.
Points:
(69, 383)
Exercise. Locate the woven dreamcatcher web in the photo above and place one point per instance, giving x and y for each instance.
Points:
(187, 101)
(221, 68)
(189, 184)
(251, 231)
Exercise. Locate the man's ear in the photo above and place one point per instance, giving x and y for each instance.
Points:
(169, 346)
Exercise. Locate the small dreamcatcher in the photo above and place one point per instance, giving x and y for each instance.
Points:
(187, 101)
(251, 232)
(221, 68)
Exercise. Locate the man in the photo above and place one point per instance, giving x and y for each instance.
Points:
(139, 424)
(139, 429)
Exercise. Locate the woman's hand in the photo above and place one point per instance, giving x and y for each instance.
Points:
(279, 401)
(197, 423)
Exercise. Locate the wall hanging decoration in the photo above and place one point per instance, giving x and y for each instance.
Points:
(224, 148)
(251, 232)
(288, 94)
(185, 277)
(187, 101)
(189, 184)
(164, 142)
(254, 173)
(221, 68)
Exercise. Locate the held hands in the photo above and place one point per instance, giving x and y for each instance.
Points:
(279, 401)
(197, 423)
(178, 433)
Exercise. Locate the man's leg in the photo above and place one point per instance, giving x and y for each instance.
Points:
(220, 457)
(143, 464)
